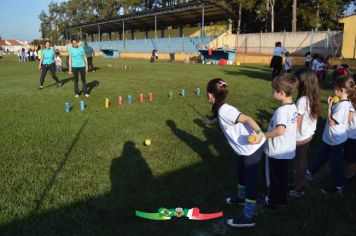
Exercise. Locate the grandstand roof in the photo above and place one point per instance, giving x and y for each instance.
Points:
(186, 13)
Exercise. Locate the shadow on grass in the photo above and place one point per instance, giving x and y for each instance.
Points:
(252, 74)
(52, 181)
(133, 187)
(91, 85)
(197, 145)
(66, 80)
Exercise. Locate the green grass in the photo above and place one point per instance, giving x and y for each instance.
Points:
(87, 172)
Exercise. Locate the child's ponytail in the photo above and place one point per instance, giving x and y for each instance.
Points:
(219, 89)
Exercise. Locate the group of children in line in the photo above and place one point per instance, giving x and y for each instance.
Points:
(289, 134)
(317, 63)
(27, 56)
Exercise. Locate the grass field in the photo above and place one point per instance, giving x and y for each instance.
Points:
(87, 172)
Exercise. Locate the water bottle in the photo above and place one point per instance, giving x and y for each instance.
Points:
(150, 97)
(141, 97)
(67, 107)
(170, 94)
(129, 99)
(119, 100)
(82, 105)
(107, 103)
(182, 93)
(197, 91)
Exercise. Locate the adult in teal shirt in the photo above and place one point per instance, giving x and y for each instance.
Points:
(47, 64)
(78, 63)
(89, 52)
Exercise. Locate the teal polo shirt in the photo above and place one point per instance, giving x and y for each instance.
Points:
(88, 51)
(77, 57)
(48, 56)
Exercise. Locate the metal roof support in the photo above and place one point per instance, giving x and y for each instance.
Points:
(99, 33)
(202, 22)
(156, 29)
(123, 32)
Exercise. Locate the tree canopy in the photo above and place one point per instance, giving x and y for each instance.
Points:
(253, 15)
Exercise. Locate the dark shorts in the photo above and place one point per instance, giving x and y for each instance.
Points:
(350, 151)
(276, 62)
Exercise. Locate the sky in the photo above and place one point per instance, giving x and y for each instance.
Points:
(19, 18)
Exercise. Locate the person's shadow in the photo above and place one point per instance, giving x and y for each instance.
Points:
(133, 187)
(66, 80)
(197, 145)
(215, 138)
(91, 85)
(129, 175)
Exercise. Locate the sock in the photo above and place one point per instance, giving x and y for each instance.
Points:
(250, 208)
(241, 193)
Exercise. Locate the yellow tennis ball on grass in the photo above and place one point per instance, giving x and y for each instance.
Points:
(147, 142)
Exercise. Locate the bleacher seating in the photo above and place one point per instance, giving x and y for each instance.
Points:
(163, 45)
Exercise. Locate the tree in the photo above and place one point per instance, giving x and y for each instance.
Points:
(294, 18)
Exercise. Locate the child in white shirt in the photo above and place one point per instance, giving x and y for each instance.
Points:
(237, 127)
(281, 134)
(58, 63)
(309, 108)
(335, 135)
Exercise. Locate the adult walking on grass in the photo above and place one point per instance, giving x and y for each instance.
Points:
(47, 64)
(89, 52)
(78, 63)
(277, 59)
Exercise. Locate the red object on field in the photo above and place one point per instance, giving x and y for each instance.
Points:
(150, 97)
(141, 97)
(119, 100)
(223, 62)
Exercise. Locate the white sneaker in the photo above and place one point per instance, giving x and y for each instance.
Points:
(86, 95)
(76, 96)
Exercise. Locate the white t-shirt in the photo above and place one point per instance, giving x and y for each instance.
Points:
(337, 134)
(236, 134)
(308, 125)
(351, 131)
(320, 66)
(58, 61)
(315, 65)
(283, 147)
(279, 51)
(288, 64)
(308, 58)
